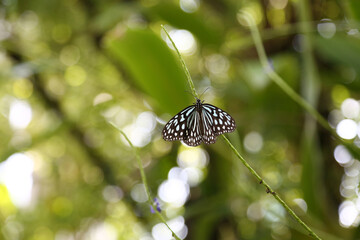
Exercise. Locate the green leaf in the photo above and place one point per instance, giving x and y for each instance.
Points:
(339, 49)
(353, 6)
(152, 66)
(206, 30)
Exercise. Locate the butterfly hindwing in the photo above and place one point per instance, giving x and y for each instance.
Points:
(193, 131)
(208, 135)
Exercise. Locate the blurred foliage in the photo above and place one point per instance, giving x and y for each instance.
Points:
(69, 67)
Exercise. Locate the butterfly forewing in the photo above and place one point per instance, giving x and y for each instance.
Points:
(197, 123)
(177, 127)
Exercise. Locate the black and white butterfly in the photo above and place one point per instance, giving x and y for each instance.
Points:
(198, 123)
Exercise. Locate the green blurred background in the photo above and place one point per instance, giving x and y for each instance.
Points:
(68, 68)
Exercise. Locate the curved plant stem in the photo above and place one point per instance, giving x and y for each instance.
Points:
(276, 78)
(191, 83)
(143, 178)
(270, 190)
(286, 88)
(252, 171)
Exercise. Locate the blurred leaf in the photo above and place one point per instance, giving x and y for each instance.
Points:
(354, 8)
(205, 225)
(339, 49)
(311, 159)
(112, 14)
(205, 30)
(342, 51)
(153, 67)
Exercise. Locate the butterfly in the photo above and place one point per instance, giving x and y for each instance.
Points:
(198, 123)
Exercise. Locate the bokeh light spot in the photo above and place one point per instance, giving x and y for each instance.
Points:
(347, 213)
(253, 142)
(254, 9)
(16, 174)
(342, 155)
(75, 75)
(92, 175)
(5, 29)
(278, 4)
(139, 132)
(103, 230)
(350, 108)
(138, 193)
(352, 170)
(326, 28)
(178, 226)
(193, 176)
(112, 194)
(22, 88)
(217, 64)
(189, 6)
(56, 86)
(184, 41)
(301, 203)
(62, 206)
(28, 21)
(174, 192)
(335, 116)
(347, 129)
(20, 114)
(146, 120)
(339, 93)
(70, 55)
(12, 229)
(255, 212)
(161, 232)
(7, 208)
(177, 173)
(101, 98)
(193, 157)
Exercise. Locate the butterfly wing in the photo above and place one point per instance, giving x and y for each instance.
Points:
(176, 128)
(198, 123)
(207, 122)
(193, 130)
(184, 126)
(216, 122)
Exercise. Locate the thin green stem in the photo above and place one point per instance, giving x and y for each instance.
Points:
(252, 171)
(144, 180)
(275, 77)
(188, 76)
(269, 189)
(285, 87)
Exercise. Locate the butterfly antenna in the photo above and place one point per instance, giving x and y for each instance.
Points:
(204, 92)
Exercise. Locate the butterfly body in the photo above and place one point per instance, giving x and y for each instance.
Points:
(198, 123)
